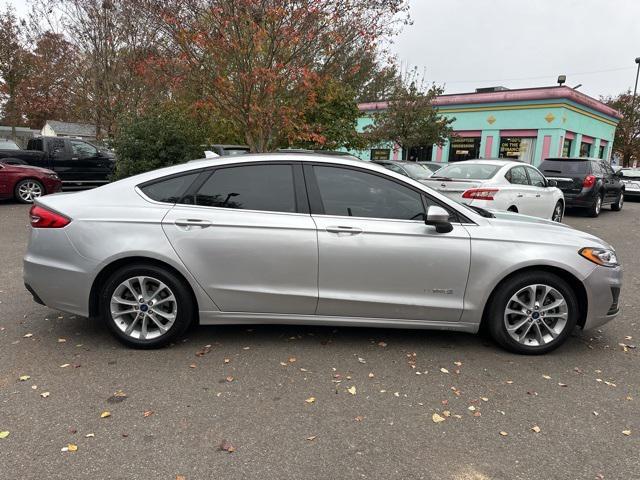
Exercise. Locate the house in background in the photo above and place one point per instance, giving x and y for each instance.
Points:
(23, 134)
(84, 131)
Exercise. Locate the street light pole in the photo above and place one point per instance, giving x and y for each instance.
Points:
(633, 101)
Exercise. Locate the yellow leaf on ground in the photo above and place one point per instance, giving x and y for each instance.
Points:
(504, 434)
(44, 394)
(105, 414)
(310, 400)
(312, 438)
(536, 429)
(437, 418)
(626, 432)
(72, 447)
(4, 434)
(444, 370)
(24, 378)
(352, 390)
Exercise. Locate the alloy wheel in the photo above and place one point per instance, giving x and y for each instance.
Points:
(536, 315)
(620, 201)
(29, 191)
(143, 308)
(598, 204)
(557, 213)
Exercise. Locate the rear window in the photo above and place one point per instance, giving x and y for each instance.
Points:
(567, 167)
(8, 145)
(468, 171)
(169, 190)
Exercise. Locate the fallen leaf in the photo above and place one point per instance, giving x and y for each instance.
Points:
(371, 375)
(504, 434)
(536, 429)
(312, 438)
(117, 397)
(446, 413)
(437, 418)
(72, 447)
(472, 408)
(352, 390)
(28, 335)
(444, 370)
(284, 364)
(310, 400)
(62, 340)
(457, 364)
(147, 413)
(359, 418)
(382, 344)
(546, 376)
(44, 394)
(227, 446)
(90, 435)
(24, 378)
(484, 399)
(64, 365)
(595, 413)
(105, 414)
(361, 360)
(626, 432)
(246, 348)
(4, 434)
(181, 477)
(304, 370)
(229, 378)
(292, 359)
(193, 365)
(227, 360)
(203, 351)
(509, 382)
(560, 384)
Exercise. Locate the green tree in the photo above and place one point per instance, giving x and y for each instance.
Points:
(410, 120)
(627, 139)
(160, 138)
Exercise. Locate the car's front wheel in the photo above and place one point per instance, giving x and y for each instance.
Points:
(532, 313)
(558, 212)
(617, 205)
(146, 306)
(28, 190)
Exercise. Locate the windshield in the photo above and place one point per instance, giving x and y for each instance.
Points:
(434, 167)
(467, 171)
(630, 173)
(8, 145)
(418, 172)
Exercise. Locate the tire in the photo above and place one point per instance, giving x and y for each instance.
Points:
(534, 337)
(558, 212)
(594, 210)
(617, 205)
(156, 309)
(27, 190)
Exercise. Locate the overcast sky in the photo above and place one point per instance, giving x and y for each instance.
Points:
(465, 44)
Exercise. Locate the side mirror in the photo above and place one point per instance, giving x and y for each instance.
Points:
(439, 218)
(552, 183)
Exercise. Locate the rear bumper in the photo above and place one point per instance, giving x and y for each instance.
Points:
(603, 287)
(582, 199)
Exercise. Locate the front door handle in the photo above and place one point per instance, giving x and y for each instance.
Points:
(538, 195)
(193, 222)
(342, 229)
(520, 195)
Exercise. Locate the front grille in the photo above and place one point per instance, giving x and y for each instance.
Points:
(615, 293)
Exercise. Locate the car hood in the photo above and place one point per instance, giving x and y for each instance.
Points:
(32, 168)
(527, 228)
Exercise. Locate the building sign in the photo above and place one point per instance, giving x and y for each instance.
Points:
(517, 148)
(380, 153)
(464, 149)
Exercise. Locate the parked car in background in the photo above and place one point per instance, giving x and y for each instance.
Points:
(311, 239)
(227, 150)
(434, 166)
(417, 171)
(500, 185)
(78, 163)
(26, 183)
(631, 180)
(587, 183)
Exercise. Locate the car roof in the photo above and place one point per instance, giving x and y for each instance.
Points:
(573, 159)
(498, 162)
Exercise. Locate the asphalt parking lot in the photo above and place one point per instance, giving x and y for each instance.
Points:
(311, 402)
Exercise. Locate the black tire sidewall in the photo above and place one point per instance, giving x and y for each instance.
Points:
(616, 207)
(15, 189)
(186, 305)
(503, 293)
(561, 211)
(593, 212)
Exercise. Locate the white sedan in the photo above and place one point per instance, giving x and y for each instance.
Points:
(500, 185)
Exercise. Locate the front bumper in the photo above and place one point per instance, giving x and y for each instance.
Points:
(603, 288)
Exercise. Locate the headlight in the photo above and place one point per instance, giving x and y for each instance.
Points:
(52, 175)
(600, 256)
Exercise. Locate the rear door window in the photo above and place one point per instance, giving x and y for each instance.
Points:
(517, 176)
(250, 187)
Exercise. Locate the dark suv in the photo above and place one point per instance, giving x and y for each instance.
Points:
(586, 183)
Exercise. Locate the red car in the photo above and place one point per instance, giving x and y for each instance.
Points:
(25, 183)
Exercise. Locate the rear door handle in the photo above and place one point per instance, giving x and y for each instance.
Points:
(538, 195)
(193, 222)
(520, 195)
(342, 229)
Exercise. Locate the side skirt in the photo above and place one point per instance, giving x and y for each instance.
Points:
(234, 318)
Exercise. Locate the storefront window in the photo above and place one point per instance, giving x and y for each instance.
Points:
(584, 149)
(602, 151)
(517, 148)
(566, 147)
(380, 153)
(420, 154)
(463, 148)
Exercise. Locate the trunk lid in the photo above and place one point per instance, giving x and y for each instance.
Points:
(452, 188)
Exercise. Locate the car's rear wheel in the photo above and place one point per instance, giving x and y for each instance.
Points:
(617, 205)
(146, 306)
(532, 313)
(594, 210)
(28, 190)
(558, 212)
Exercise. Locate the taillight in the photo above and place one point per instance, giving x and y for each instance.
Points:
(480, 193)
(589, 181)
(43, 218)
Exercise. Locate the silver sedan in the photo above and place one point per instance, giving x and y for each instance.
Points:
(306, 239)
